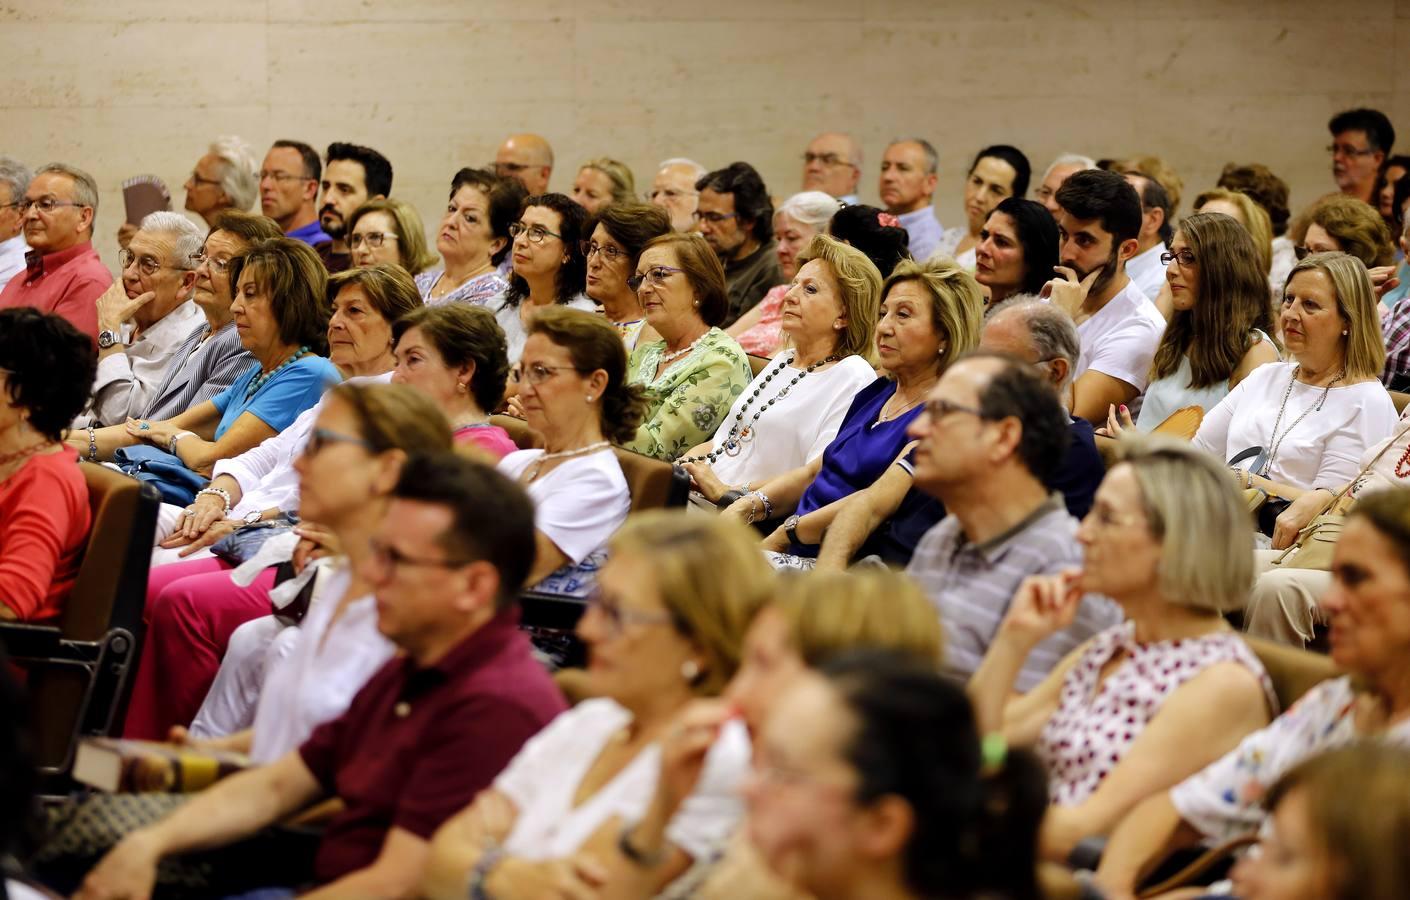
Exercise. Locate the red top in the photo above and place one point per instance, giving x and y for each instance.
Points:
(67, 283)
(416, 745)
(44, 522)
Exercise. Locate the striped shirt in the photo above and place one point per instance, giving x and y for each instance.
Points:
(199, 370)
(971, 586)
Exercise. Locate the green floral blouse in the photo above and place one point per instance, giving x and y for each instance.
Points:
(687, 403)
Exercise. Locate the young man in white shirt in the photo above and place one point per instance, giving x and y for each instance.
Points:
(1099, 219)
(1145, 268)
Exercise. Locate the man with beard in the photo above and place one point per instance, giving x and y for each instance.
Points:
(736, 217)
(354, 175)
(1099, 219)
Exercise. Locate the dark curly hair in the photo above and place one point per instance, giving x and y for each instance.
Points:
(49, 367)
(752, 202)
(572, 275)
(463, 334)
(594, 344)
(861, 226)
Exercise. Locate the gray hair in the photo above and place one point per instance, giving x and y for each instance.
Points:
(85, 189)
(697, 171)
(239, 173)
(16, 175)
(1051, 330)
(812, 208)
(932, 159)
(1068, 159)
(186, 237)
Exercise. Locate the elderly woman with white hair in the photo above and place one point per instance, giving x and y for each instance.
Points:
(800, 217)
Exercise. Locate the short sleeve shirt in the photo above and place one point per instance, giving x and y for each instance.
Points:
(277, 402)
(1120, 340)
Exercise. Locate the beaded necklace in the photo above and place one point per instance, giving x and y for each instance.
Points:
(1277, 440)
(25, 452)
(734, 442)
(668, 358)
(260, 381)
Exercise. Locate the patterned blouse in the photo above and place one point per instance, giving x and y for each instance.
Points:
(765, 336)
(1095, 724)
(477, 290)
(688, 402)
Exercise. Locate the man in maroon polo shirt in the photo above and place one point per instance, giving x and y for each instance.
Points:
(63, 273)
(427, 732)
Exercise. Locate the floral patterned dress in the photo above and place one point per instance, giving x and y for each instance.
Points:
(692, 395)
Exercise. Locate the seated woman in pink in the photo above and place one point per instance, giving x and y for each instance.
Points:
(1149, 702)
(46, 373)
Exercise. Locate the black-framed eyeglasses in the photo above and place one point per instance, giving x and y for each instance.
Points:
(1302, 251)
(373, 239)
(147, 265)
(610, 253)
(654, 276)
(618, 618)
(1185, 258)
(939, 408)
(827, 159)
(1348, 150)
(46, 205)
(385, 556)
(217, 265)
(534, 233)
(535, 374)
(322, 438)
(713, 218)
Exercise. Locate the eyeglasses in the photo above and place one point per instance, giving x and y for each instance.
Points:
(535, 233)
(938, 409)
(654, 276)
(217, 265)
(618, 618)
(285, 176)
(1348, 150)
(1185, 258)
(827, 159)
(713, 218)
(385, 557)
(46, 205)
(322, 438)
(147, 265)
(1302, 251)
(197, 179)
(609, 252)
(537, 373)
(374, 239)
(508, 169)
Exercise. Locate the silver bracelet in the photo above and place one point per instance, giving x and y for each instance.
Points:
(222, 493)
(92, 445)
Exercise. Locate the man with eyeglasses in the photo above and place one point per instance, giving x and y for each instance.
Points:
(528, 159)
(833, 164)
(354, 175)
(288, 190)
(63, 274)
(144, 318)
(1361, 142)
(673, 189)
(14, 178)
(1145, 268)
(736, 217)
(428, 732)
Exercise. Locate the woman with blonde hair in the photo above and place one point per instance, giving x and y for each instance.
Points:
(1242, 209)
(601, 182)
(665, 627)
(1148, 702)
(794, 407)
(389, 231)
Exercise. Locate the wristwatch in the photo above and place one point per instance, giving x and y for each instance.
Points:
(790, 528)
(108, 339)
(252, 517)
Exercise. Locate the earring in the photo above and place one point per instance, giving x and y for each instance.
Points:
(690, 671)
(589, 398)
(460, 385)
(697, 304)
(1345, 333)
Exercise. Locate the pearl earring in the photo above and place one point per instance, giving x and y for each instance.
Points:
(690, 670)
(589, 398)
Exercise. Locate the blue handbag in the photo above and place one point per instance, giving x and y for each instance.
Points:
(164, 471)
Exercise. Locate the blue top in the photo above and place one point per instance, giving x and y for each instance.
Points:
(310, 234)
(861, 451)
(279, 400)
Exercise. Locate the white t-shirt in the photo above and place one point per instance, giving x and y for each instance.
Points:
(544, 777)
(1120, 340)
(800, 424)
(1323, 449)
(508, 317)
(1147, 271)
(579, 503)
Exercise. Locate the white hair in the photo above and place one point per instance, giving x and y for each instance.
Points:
(697, 171)
(239, 177)
(186, 237)
(15, 174)
(812, 208)
(1069, 159)
(1051, 330)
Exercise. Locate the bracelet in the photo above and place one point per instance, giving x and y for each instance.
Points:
(643, 858)
(790, 528)
(489, 858)
(171, 444)
(768, 506)
(222, 493)
(92, 445)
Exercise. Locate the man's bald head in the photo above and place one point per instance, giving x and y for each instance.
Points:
(527, 158)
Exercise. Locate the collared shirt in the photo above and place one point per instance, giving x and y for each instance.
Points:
(12, 258)
(1147, 271)
(200, 369)
(417, 744)
(1396, 376)
(749, 279)
(311, 234)
(972, 584)
(127, 380)
(67, 283)
(924, 231)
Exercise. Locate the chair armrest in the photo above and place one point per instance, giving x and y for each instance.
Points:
(25, 641)
(542, 610)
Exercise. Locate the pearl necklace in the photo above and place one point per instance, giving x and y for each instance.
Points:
(534, 467)
(668, 358)
(734, 442)
(261, 380)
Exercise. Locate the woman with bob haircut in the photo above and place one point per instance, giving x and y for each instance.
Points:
(390, 232)
(664, 627)
(1308, 421)
(618, 236)
(997, 172)
(474, 239)
(794, 407)
(694, 373)
(1148, 702)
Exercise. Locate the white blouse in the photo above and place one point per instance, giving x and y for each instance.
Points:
(579, 503)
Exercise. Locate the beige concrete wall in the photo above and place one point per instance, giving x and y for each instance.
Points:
(123, 87)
